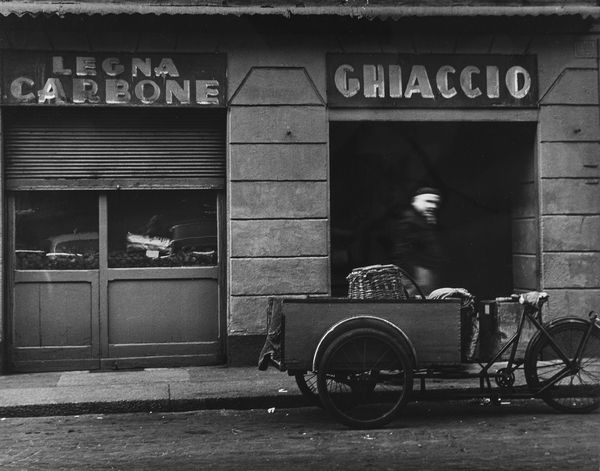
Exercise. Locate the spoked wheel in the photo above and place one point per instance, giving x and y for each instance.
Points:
(364, 378)
(579, 390)
(307, 383)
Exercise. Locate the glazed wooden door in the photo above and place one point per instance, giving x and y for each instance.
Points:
(91, 291)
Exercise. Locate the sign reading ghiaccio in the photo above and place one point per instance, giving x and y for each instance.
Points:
(430, 81)
(110, 79)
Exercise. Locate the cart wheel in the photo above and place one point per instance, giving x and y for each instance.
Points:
(580, 390)
(364, 378)
(307, 383)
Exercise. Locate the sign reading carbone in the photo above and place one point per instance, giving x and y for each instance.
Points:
(431, 81)
(114, 79)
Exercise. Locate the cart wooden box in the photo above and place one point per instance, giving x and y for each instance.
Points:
(433, 327)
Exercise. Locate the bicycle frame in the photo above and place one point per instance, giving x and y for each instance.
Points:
(534, 316)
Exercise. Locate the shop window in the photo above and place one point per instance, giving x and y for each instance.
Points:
(162, 229)
(56, 230)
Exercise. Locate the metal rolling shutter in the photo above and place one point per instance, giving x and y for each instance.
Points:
(104, 147)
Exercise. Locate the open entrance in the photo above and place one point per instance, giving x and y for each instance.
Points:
(487, 220)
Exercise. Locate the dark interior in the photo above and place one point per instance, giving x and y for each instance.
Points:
(376, 167)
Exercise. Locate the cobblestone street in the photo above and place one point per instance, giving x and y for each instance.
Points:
(430, 436)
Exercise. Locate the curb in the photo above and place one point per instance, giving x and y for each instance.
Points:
(162, 405)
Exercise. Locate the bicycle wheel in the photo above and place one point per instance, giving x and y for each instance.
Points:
(364, 378)
(307, 383)
(579, 390)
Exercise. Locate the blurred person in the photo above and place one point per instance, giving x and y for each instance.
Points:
(414, 239)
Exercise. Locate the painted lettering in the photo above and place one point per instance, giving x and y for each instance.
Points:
(443, 83)
(85, 66)
(166, 68)
(174, 90)
(58, 67)
(207, 92)
(514, 75)
(17, 89)
(112, 66)
(373, 81)
(141, 88)
(85, 91)
(466, 81)
(493, 81)
(395, 78)
(418, 82)
(348, 87)
(117, 92)
(142, 65)
(52, 92)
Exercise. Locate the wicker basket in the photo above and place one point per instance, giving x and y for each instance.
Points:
(377, 282)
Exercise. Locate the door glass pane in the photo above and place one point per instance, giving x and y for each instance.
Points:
(56, 230)
(162, 228)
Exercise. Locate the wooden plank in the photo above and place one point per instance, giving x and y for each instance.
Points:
(570, 196)
(574, 87)
(109, 41)
(162, 311)
(571, 270)
(571, 302)
(278, 200)
(66, 314)
(26, 315)
(28, 39)
(285, 124)
(524, 236)
(413, 115)
(525, 272)
(260, 276)
(569, 159)
(165, 273)
(570, 233)
(158, 41)
(433, 328)
(474, 43)
(277, 86)
(278, 238)
(278, 161)
(510, 44)
(63, 40)
(435, 43)
(569, 123)
(192, 41)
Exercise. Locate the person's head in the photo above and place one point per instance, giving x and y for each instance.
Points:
(426, 201)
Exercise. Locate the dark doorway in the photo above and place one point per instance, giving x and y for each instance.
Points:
(480, 168)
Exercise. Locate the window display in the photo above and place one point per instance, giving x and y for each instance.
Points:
(56, 230)
(161, 229)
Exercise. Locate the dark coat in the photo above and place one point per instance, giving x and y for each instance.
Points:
(414, 242)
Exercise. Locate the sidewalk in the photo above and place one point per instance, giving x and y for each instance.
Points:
(166, 389)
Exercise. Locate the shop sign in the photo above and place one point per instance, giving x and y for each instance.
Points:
(431, 80)
(114, 79)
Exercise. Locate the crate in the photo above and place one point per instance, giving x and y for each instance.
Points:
(498, 322)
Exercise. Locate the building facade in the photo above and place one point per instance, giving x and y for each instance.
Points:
(168, 169)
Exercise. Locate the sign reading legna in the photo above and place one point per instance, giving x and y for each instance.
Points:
(431, 81)
(114, 79)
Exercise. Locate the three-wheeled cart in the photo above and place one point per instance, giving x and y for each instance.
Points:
(359, 358)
